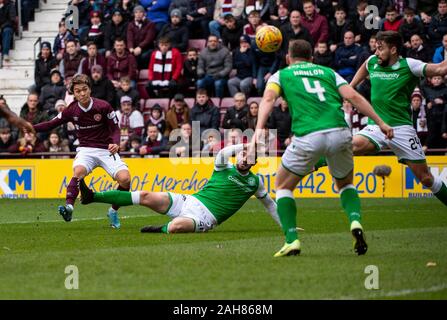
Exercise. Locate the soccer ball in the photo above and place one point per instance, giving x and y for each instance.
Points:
(268, 38)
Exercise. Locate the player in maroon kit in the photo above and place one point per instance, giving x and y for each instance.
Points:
(99, 137)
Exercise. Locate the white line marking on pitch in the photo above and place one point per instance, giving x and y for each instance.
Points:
(76, 219)
(399, 293)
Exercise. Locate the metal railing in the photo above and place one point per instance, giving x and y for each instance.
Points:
(36, 52)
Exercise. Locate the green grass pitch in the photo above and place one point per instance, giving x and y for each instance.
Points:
(233, 261)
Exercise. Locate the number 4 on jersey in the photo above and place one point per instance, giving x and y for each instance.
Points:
(316, 89)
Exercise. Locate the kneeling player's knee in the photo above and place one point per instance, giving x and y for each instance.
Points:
(426, 180)
(176, 227)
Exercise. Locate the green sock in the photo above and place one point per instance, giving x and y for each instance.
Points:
(442, 194)
(120, 198)
(350, 202)
(165, 227)
(321, 163)
(287, 216)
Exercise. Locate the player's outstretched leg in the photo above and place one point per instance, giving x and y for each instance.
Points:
(350, 202)
(435, 184)
(121, 198)
(72, 192)
(123, 178)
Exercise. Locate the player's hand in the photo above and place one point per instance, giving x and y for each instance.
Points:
(113, 148)
(387, 130)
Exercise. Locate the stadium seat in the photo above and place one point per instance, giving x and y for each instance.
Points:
(199, 44)
(141, 84)
(190, 102)
(251, 99)
(227, 103)
(216, 101)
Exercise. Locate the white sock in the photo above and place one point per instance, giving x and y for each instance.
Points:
(283, 193)
(135, 197)
(437, 185)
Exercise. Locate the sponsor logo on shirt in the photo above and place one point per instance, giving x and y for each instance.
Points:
(239, 183)
(251, 181)
(97, 117)
(384, 75)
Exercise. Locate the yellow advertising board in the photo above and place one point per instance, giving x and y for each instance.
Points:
(48, 178)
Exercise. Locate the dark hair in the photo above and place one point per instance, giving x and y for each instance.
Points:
(192, 49)
(119, 39)
(201, 91)
(90, 43)
(339, 8)
(409, 11)
(77, 80)
(300, 49)
(307, 1)
(392, 39)
(164, 40)
(391, 9)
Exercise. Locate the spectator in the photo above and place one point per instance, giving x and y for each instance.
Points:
(215, 63)
(315, 23)
(199, 16)
(155, 142)
(102, 88)
(221, 10)
(323, 56)
(60, 40)
(6, 139)
(347, 56)
(231, 32)
(292, 31)
(157, 118)
(252, 116)
(382, 5)
(43, 66)
(157, 12)
(260, 6)
(52, 92)
(7, 21)
(115, 28)
(440, 52)
(234, 136)
(69, 64)
(165, 69)
(326, 7)
(183, 5)
(392, 21)
(183, 146)
(190, 69)
(436, 100)
(121, 63)
(177, 114)
(338, 27)
(281, 121)
(130, 121)
(410, 26)
(418, 50)
(68, 130)
(93, 58)
(176, 31)
(28, 7)
(125, 89)
(205, 111)
(140, 37)
(254, 21)
(236, 116)
(105, 8)
(27, 144)
(126, 7)
(211, 144)
(438, 25)
(95, 31)
(282, 17)
(266, 65)
(135, 145)
(32, 111)
(56, 144)
(419, 117)
(244, 68)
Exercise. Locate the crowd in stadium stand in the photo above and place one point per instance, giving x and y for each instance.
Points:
(165, 63)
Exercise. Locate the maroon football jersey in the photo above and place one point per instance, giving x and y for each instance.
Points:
(96, 126)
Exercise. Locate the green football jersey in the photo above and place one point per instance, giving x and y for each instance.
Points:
(311, 92)
(391, 89)
(227, 191)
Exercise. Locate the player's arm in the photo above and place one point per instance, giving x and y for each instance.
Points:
(360, 75)
(436, 69)
(269, 204)
(13, 119)
(271, 93)
(364, 107)
(58, 120)
(112, 122)
(223, 156)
